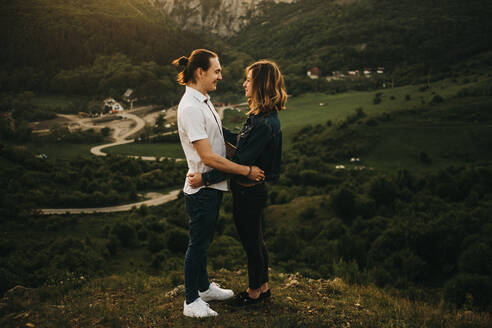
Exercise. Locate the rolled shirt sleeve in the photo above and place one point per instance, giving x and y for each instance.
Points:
(194, 124)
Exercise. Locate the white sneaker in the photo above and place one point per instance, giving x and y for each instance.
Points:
(215, 293)
(198, 309)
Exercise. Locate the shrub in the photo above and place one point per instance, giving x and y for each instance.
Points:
(437, 99)
(159, 259)
(349, 271)
(382, 191)
(476, 259)
(307, 213)
(125, 233)
(424, 158)
(226, 252)
(343, 201)
(157, 242)
(112, 246)
(177, 240)
(472, 290)
(285, 244)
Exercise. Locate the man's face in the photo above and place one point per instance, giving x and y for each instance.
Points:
(209, 78)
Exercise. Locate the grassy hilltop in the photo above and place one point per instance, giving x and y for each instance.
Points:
(401, 238)
(137, 300)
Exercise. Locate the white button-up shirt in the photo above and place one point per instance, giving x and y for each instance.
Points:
(197, 119)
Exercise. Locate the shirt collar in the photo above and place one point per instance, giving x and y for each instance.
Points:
(197, 94)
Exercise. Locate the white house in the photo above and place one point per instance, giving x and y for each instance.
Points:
(354, 73)
(313, 73)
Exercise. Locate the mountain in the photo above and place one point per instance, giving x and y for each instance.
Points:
(221, 17)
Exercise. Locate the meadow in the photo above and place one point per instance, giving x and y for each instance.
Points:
(318, 108)
(57, 150)
(172, 150)
(307, 109)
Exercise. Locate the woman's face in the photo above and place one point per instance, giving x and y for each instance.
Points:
(247, 85)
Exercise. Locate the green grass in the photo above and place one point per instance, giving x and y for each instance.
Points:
(234, 119)
(58, 150)
(173, 150)
(400, 146)
(65, 103)
(306, 109)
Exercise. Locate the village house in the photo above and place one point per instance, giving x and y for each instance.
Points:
(314, 73)
(354, 73)
(335, 75)
(129, 97)
(112, 106)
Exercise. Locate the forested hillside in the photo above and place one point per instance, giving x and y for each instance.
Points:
(407, 38)
(57, 34)
(94, 48)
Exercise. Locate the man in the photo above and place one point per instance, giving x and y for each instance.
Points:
(200, 132)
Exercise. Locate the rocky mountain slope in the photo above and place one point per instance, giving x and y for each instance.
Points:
(222, 17)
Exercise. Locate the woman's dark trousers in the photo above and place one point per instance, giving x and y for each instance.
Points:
(203, 210)
(248, 205)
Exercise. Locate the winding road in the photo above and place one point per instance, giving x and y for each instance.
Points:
(120, 140)
(156, 199)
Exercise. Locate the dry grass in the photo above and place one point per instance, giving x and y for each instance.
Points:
(137, 300)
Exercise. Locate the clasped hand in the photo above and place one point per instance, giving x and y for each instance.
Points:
(195, 179)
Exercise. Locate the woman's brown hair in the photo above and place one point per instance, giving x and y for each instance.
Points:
(199, 58)
(267, 87)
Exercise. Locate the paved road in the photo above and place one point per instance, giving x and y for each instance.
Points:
(157, 199)
(120, 140)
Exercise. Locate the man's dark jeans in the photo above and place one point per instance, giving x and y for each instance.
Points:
(203, 209)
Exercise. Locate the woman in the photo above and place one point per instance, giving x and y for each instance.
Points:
(258, 143)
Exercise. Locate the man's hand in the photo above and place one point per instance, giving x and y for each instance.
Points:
(256, 174)
(195, 180)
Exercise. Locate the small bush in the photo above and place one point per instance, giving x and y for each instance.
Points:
(177, 240)
(125, 233)
(343, 202)
(437, 99)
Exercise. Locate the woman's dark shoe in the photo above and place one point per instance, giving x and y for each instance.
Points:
(266, 294)
(243, 299)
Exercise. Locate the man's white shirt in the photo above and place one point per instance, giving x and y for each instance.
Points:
(198, 119)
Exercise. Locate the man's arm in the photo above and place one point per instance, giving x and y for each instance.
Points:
(210, 158)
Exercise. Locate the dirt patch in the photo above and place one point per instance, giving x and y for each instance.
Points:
(49, 124)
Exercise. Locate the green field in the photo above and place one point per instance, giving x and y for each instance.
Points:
(58, 150)
(63, 103)
(400, 146)
(310, 108)
(306, 109)
(173, 150)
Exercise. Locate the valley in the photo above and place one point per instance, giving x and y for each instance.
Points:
(382, 216)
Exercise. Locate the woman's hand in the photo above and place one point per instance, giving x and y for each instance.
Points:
(256, 174)
(195, 180)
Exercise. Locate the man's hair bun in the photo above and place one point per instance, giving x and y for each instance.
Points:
(183, 61)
